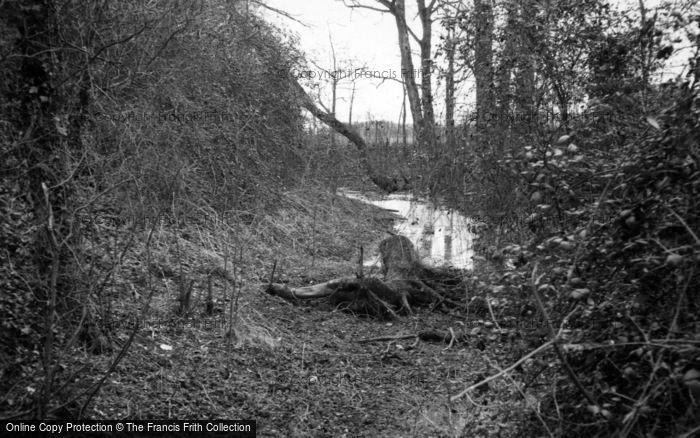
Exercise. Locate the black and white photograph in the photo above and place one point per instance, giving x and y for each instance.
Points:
(350, 218)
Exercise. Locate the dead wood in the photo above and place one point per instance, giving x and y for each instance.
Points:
(399, 258)
(402, 288)
(316, 291)
(438, 336)
(363, 296)
(386, 183)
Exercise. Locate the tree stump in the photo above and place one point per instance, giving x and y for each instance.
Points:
(401, 288)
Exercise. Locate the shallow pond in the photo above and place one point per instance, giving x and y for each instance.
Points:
(442, 237)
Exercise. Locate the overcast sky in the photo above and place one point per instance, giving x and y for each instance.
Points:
(366, 38)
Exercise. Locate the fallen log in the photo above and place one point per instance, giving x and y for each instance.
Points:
(401, 288)
(316, 291)
(424, 335)
(363, 296)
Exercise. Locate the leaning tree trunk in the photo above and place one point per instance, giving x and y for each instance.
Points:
(382, 181)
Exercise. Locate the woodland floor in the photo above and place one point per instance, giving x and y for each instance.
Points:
(298, 369)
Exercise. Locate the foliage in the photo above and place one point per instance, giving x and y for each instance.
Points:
(596, 209)
(121, 116)
(615, 224)
(214, 103)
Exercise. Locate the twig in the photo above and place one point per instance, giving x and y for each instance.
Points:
(522, 394)
(553, 335)
(371, 8)
(280, 12)
(272, 274)
(387, 349)
(229, 331)
(542, 347)
(452, 340)
(680, 219)
(534, 377)
(313, 241)
(474, 402)
(386, 305)
(48, 357)
(361, 262)
(72, 174)
(387, 338)
(690, 433)
(493, 318)
(679, 303)
(510, 368)
(425, 335)
(240, 284)
(20, 414)
(579, 248)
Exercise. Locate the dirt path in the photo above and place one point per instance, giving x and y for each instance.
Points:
(298, 369)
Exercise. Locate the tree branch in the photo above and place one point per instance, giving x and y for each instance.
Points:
(354, 5)
(280, 12)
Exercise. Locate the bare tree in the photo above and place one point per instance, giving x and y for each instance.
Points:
(382, 181)
(450, 87)
(420, 102)
(483, 67)
(504, 70)
(335, 78)
(451, 12)
(525, 78)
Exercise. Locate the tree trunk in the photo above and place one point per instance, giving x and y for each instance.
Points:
(352, 102)
(425, 14)
(504, 81)
(403, 124)
(483, 70)
(383, 182)
(450, 92)
(420, 103)
(409, 72)
(334, 90)
(525, 82)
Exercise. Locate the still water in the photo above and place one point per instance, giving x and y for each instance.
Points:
(442, 237)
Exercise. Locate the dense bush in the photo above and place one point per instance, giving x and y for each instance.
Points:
(616, 221)
(210, 118)
(116, 116)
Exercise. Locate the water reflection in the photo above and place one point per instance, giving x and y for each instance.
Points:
(442, 237)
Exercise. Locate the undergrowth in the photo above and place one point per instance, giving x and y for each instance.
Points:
(607, 237)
